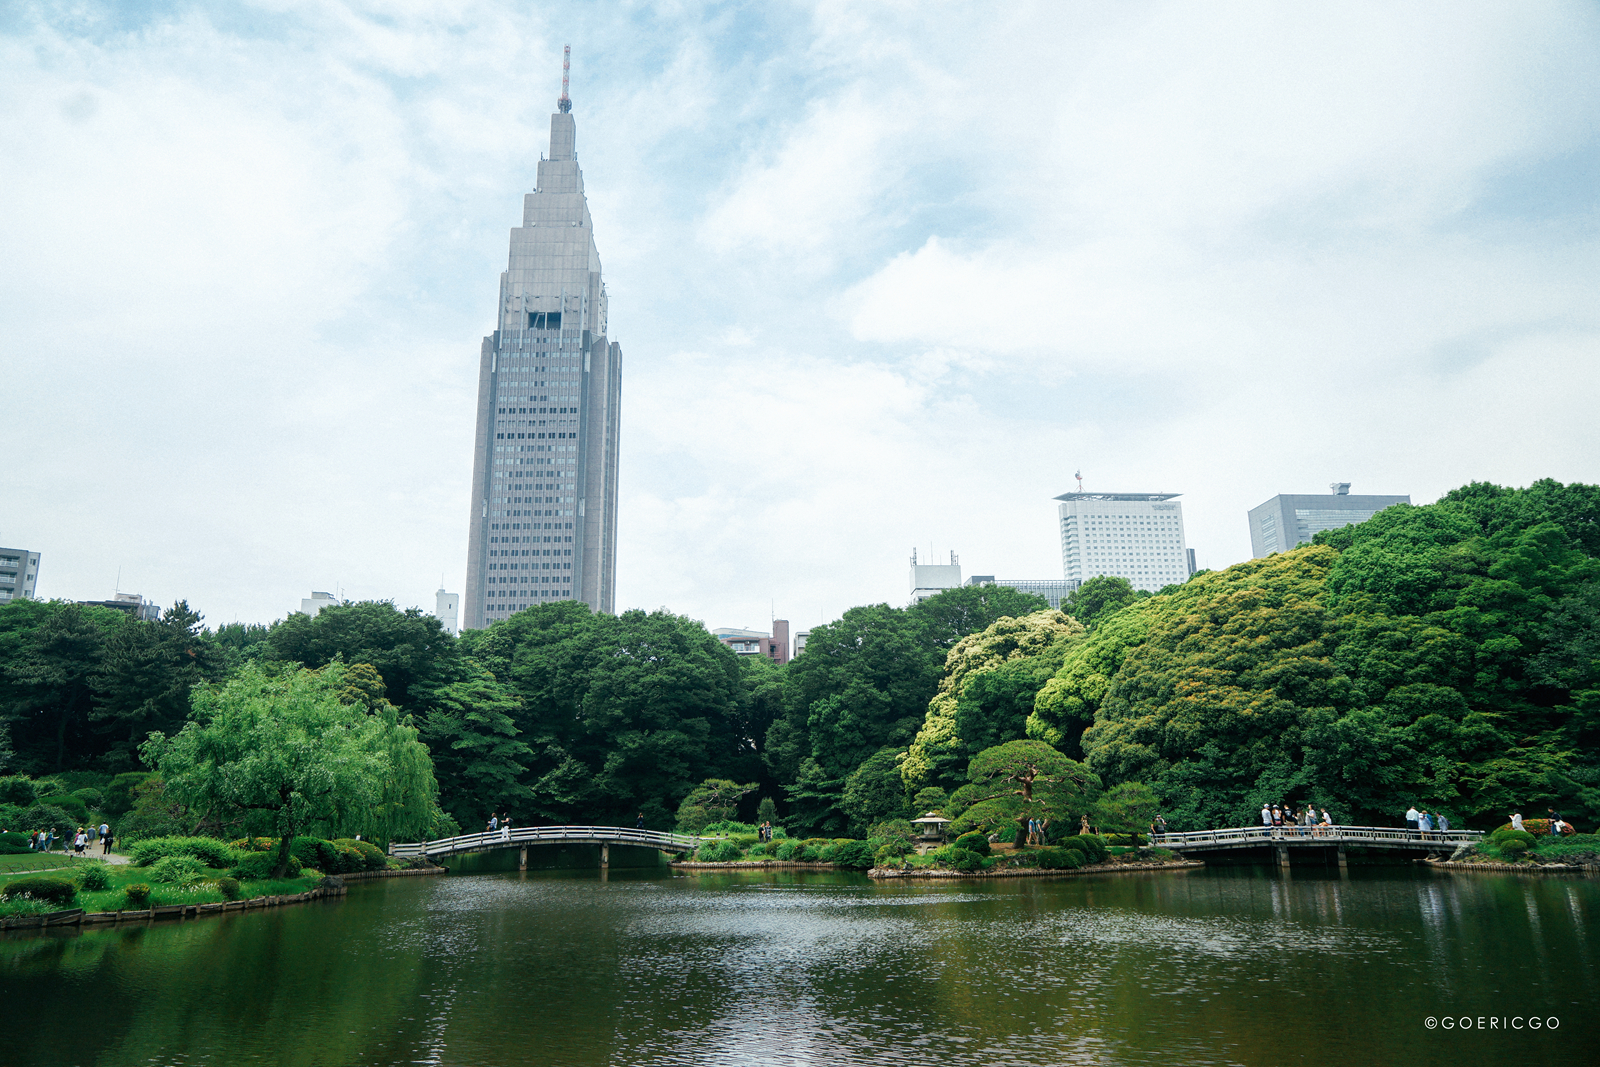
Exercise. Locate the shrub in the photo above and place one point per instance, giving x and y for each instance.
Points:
(229, 888)
(42, 816)
(1060, 859)
(138, 896)
(854, 855)
(177, 870)
(745, 841)
(974, 842)
(14, 838)
(252, 844)
(771, 847)
(729, 826)
(256, 866)
(70, 804)
(119, 794)
(18, 790)
(1093, 848)
(890, 855)
(786, 850)
(92, 798)
(208, 850)
(958, 858)
(719, 852)
(95, 878)
(54, 890)
(372, 857)
(1513, 843)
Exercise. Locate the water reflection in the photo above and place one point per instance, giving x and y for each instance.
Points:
(1225, 966)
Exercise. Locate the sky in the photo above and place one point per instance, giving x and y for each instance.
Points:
(885, 277)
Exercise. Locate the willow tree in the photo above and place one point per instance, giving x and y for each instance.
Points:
(1022, 780)
(290, 747)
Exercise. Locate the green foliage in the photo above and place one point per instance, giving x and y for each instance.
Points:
(931, 799)
(17, 790)
(409, 650)
(1022, 780)
(93, 877)
(712, 801)
(138, 896)
(852, 855)
(723, 851)
(987, 692)
(969, 609)
(472, 733)
(1060, 859)
(258, 866)
(77, 812)
(1512, 843)
(57, 891)
(957, 858)
(888, 855)
(973, 842)
(154, 813)
(369, 856)
(1099, 598)
(290, 746)
(874, 790)
(728, 826)
(177, 870)
(767, 811)
(1126, 806)
(785, 850)
(229, 888)
(208, 850)
(1093, 847)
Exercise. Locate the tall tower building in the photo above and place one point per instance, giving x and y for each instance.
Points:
(544, 471)
(1137, 536)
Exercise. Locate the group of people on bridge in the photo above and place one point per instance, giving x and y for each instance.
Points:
(1284, 820)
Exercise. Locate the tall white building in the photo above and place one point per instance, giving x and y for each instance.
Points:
(544, 476)
(447, 609)
(19, 573)
(1137, 536)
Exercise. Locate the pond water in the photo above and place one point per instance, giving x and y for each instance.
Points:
(1219, 966)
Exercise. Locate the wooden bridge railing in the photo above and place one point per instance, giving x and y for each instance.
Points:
(548, 835)
(1273, 836)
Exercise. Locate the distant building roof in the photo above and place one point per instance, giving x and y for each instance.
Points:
(1117, 496)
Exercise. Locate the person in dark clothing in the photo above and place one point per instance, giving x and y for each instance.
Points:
(638, 823)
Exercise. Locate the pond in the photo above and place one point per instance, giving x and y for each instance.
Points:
(1227, 965)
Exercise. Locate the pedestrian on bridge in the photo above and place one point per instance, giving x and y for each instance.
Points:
(1412, 816)
(1444, 823)
(1424, 823)
(1266, 816)
(505, 829)
(638, 823)
(494, 822)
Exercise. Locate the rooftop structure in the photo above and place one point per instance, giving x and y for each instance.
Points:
(774, 646)
(1289, 520)
(931, 579)
(1054, 590)
(314, 604)
(131, 604)
(544, 481)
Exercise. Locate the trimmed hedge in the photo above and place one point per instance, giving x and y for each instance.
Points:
(1060, 859)
(95, 878)
(54, 890)
(177, 870)
(208, 850)
(257, 866)
(958, 858)
(974, 842)
(855, 855)
(1093, 848)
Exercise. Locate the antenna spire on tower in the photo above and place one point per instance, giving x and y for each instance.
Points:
(565, 104)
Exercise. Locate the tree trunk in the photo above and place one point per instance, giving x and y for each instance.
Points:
(287, 841)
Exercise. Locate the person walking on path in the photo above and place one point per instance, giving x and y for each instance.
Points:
(80, 842)
(105, 840)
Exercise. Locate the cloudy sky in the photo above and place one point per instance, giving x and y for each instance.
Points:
(885, 276)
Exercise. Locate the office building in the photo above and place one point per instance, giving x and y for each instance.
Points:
(129, 604)
(1287, 521)
(1137, 536)
(931, 579)
(544, 479)
(1054, 590)
(316, 602)
(800, 639)
(446, 608)
(19, 574)
(774, 646)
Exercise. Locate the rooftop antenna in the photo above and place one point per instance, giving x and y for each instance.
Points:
(119, 582)
(1079, 476)
(564, 105)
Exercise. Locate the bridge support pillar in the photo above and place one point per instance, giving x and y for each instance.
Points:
(522, 862)
(1283, 856)
(605, 855)
(1344, 864)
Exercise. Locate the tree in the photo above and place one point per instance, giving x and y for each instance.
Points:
(471, 732)
(986, 694)
(1126, 807)
(409, 649)
(1100, 597)
(1022, 780)
(969, 609)
(874, 791)
(712, 801)
(289, 747)
(49, 654)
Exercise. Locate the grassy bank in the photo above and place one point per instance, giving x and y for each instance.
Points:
(114, 897)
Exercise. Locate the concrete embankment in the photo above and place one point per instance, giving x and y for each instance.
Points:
(1514, 868)
(1034, 872)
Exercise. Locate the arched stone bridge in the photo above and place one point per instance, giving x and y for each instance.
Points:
(523, 836)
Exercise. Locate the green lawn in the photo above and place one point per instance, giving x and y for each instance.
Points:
(122, 876)
(33, 861)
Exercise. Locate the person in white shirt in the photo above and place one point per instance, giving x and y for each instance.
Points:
(1516, 821)
(1266, 815)
(1412, 815)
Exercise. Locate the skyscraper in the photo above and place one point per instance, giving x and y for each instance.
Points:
(1287, 521)
(1137, 536)
(544, 471)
